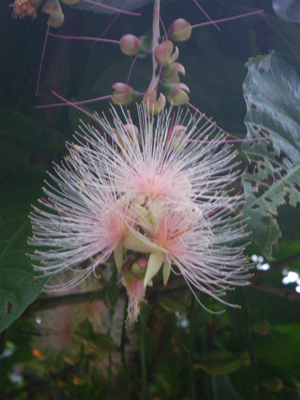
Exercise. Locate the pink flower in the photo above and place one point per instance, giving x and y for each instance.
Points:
(192, 239)
(156, 188)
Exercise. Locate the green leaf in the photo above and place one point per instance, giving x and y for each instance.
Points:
(111, 290)
(27, 147)
(18, 288)
(222, 362)
(272, 93)
(96, 341)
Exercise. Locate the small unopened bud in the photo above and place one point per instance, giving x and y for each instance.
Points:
(56, 18)
(133, 135)
(178, 137)
(262, 328)
(132, 131)
(123, 94)
(164, 53)
(139, 268)
(130, 44)
(273, 384)
(170, 72)
(127, 277)
(180, 30)
(155, 106)
(176, 93)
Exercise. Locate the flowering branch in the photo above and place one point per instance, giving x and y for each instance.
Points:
(155, 37)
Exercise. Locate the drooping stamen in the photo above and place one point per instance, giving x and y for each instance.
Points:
(42, 60)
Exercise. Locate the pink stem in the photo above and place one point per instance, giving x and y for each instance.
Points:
(42, 60)
(225, 19)
(109, 26)
(112, 8)
(75, 102)
(203, 11)
(236, 139)
(69, 103)
(155, 37)
(85, 38)
(131, 68)
(163, 25)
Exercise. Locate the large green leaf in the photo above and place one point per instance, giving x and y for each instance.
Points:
(27, 147)
(272, 93)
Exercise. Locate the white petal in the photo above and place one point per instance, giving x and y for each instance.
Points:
(156, 260)
(166, 271)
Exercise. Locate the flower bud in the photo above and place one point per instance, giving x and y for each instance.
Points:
(130, 44)
(262, 328)
(56, 18)
(123, 94)
(139, 268)
(170, 72)
(155, 106)
(127, 277)
(273, 384)
(178, 137)
(180, 30)
(177, 93)
(133, 135)
(163, 53)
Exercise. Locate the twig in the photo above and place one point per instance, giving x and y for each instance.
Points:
(279, 264)
(287, 291)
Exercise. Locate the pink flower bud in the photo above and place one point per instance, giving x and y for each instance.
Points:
(123, 94)
(178, 137)
(132, 130)
(155, 106)
(180, 30)
(170, 72)
(133, 134)
(177, 93)
(130, 44)
(164, 53)
(139, 268)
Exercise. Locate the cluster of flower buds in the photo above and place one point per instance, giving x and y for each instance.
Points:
(165, 54)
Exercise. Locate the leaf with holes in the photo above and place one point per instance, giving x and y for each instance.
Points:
(272, 93)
